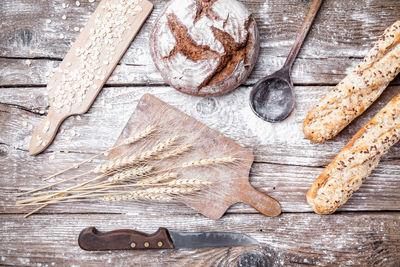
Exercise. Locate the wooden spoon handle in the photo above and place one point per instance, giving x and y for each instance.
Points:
(261, 202)
(301, 36)
(45, 132)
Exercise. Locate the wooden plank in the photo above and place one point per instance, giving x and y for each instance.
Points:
(310, 71)
(230, 115)
(288, 184)
(362, 239)
(346, 26)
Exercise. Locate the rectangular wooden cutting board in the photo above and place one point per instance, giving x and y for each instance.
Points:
(230, 182)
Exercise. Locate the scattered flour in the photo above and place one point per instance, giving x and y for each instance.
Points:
(287, 131)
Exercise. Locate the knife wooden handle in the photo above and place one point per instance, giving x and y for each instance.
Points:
(92, 239)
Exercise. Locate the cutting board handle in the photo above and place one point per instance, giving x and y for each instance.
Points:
(260, 201)
(45, 132)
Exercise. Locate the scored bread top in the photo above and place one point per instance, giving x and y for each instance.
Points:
(358, 90)
(204, 47)
(345, 174)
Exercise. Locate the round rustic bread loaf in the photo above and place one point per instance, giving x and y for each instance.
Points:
(204, 48)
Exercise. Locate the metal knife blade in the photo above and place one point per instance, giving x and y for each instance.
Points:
(210, 239)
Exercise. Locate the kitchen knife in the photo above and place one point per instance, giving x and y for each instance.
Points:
(92, 239)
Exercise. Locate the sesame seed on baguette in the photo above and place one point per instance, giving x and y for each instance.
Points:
(358, 90)
(349, 169)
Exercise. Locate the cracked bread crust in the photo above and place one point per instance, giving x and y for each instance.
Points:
(358, 90)
(204, 48)
(345, 174)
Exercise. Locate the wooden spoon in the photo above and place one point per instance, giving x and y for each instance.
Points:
(272, 97)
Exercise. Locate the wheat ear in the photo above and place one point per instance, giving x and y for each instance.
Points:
(206, 162)
(152, 181)
(189, 182)
(159, 178)
(175, 152)
(133, 139)
(134, 159)
(174, 191)
(136, 195)
(130, 140)
(129, 174)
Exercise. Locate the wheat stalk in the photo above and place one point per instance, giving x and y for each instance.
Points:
(175, 152)
(118, 163)
(160, 185)
(129, 174)
(134, 159)
(209, 161)
(159, 193)
(133, 139)
(136, 195)
(169, 190)
(130, 140)
(159, 178)
(53, 184)
(189, 182)
(41, 198)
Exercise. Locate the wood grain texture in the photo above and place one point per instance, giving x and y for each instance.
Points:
(333, 47)
(286, 163)
(343, 239)
(350, 27)
(288, 184)
(230, 115)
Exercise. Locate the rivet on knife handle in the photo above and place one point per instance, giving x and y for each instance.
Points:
(91, 239)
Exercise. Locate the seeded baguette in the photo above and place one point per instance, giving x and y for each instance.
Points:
(358, 90)
(345, 174)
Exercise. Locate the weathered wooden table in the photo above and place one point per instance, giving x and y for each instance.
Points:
(34, 37)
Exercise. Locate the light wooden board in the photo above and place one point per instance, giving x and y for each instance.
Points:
(286, 163)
